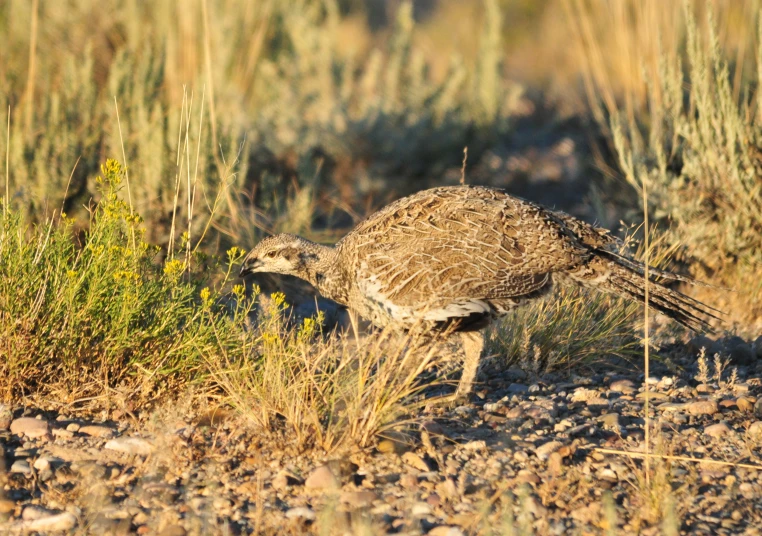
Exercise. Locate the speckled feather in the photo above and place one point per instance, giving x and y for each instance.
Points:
(466, 254)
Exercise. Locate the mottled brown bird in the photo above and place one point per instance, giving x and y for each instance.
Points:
(458, 257)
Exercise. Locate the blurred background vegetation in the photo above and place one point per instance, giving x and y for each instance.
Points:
(240, 117)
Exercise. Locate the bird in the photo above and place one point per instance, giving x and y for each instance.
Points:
(457, 258)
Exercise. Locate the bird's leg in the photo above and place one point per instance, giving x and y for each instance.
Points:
(473, 344)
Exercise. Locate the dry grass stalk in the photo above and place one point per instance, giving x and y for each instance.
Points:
(644, 455)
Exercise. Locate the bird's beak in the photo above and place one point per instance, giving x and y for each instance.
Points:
(249, 266)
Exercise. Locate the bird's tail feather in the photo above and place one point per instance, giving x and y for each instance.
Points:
(625, 277)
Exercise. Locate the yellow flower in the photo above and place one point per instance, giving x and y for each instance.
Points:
(206, 297)
(174, 268)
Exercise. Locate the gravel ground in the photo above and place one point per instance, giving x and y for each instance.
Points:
(522, 456)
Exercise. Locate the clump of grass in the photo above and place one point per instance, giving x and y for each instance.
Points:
(97, 315)
(324, 392)
(576, 326)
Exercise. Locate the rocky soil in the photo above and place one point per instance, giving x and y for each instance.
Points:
(522, 457)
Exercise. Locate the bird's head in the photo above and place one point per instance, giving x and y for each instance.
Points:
(279, 254)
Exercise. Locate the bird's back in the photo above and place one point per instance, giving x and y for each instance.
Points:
(457, 251)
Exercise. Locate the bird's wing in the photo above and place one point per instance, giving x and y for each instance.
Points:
(455, 245)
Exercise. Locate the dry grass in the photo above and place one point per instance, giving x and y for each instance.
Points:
(327, 392)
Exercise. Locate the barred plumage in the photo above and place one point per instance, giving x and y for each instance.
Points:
(457, 257)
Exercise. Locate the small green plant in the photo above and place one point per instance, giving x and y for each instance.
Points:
(102, 314)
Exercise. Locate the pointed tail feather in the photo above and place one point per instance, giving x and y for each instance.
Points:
(625, 277)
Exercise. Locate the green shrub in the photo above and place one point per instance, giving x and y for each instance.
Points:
(98, 311)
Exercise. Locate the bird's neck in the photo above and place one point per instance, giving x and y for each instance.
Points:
(321, 267)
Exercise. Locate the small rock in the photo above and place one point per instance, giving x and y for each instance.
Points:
(517, 388)
(608, 475)
(409, 481)
(284, 479)
(728, 403)
(73, 427)
(21, 467)
(63, 434)
(30, 427)
(758, 407)
(173, 530)
(42, 463)
(755, 430)
(697, 343)
(414, 460)
(520, 456)
(623, 386)
(301, 512)
(358, 499)
(33, 512)
(652, 395)
(130, 445)
(420, 509)
(597, 403)
(702, 407)
(717, 430)
(391, 446)
(610, 421)
(444, 530)
(478, 444)
(55, 523)
(7, 507)
(436, 429)
(322, 478)
(6, 417)
(544, 451)
(95, 430)
(742, 355)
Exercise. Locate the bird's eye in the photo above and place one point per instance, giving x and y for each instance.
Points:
(271, 254)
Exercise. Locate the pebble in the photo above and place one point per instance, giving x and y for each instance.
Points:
(623, 386)
(420, 509)
(652, 395)
(717, 430)
(6, 417)
(544, 451)
(130, 445)
(744, 404)
(322, 478)
(6, 506)
(445, 530)
(35, 512)
(390, 446)
(414, 460)
(703, 407)
(284, 479)
(42, 463)
(611, 421)
(755, 430)
(21, 467)
(30, 427)
(61, 433)
(598, 403)
(173, 530)
(742, 355)
(517, 388)
(95, 430)
(301, 512)
(55, 523)
(358, 499)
